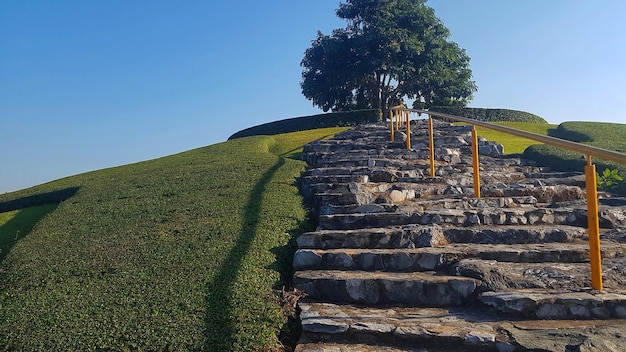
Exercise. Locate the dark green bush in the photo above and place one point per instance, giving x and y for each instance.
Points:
(336, 119)
(489, 115)
(557, 158)
(564, 131)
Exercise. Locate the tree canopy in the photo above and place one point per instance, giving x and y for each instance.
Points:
(390, 50)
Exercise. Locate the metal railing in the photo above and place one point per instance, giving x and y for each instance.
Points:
(400, 116)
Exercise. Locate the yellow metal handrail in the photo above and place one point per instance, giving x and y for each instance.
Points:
(396, 112)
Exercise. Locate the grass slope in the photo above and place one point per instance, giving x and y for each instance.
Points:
(513, 144)
(177, 253)
(610, 136)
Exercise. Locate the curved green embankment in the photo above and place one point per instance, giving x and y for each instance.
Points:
(611, 136)
(177, 253)
(513, 144)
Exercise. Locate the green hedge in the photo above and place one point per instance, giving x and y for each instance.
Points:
(609, 136)
(600, 134)
(337, 119)
(484, 114)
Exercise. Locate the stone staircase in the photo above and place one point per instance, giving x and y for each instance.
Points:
(402, 261)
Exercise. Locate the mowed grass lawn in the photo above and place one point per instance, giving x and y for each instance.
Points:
(178, 253)
(611, 136)
(513, 144)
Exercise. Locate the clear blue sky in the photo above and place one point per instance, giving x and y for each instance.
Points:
(86, 85)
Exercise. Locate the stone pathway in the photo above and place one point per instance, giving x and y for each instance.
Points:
(402, 261)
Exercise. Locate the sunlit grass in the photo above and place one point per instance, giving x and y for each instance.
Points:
(18, 223)
(177, 253)
(290, 145)
(513, 144)
(611, 136)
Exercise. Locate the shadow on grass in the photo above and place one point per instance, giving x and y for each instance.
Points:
(54, 197)
(30, 210)
(296, 153)
(20, 225)
(220, 311)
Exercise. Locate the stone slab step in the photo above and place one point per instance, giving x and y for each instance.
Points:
(514, 234)
(352, 347)
(496, 275)
(558, 304)
(407, 214)
(543, 193)
(334, 170)
(407, 197)
(440, 258)
(416, 236)
(324, 179)
(396, 326)
(435, 329)
(361, 287)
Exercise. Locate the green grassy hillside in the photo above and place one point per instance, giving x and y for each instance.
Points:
(610, 136)
(514, 144)
(177, 253)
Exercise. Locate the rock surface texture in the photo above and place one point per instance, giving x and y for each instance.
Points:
(402, 261)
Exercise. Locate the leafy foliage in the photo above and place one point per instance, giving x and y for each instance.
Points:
(177, 253)
(609, 179)
(388, 51)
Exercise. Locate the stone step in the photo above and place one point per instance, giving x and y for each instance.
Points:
(336, 327)
(371, 288)
(498, 275)
(403, 194)
(368, 192)
(558, 304)
(391, 157)
(559, 178)
(444, 258)
(333, 171)
(324, 179)
(516, 234)
(528, 215)
(352, 347)
(415, 236)
(364, 174)
(543, 194)
(364, 153)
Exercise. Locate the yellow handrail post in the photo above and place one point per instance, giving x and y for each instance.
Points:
(396, 113)
(594, 226)
(475, 162)
(408, 130)
(431, 144)
(391, 124)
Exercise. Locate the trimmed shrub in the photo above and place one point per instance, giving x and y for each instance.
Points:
(604, 135)
(489, 115)
(336, 119)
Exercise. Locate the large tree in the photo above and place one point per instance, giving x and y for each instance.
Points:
(390, 50)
